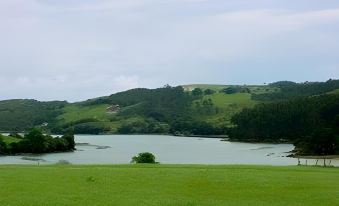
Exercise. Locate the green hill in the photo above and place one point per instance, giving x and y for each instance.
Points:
(20, 114)
(186, 109)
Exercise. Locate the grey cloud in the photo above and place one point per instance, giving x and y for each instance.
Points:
(82, 49)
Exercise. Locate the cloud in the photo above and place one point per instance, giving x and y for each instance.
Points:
(86, 48)
(58, 88)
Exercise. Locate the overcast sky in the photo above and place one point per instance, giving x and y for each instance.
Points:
(78, 49)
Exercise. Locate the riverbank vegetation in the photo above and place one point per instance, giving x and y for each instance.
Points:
(74, 185)
(36, 142)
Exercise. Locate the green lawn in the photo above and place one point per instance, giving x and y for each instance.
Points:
(167, 185)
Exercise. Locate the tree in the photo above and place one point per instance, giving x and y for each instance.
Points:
(209, 91)
(229, 90)
(69, 138)
(61, 144)
(35, 141)
(2, 146)
(144, 157)
(310, 123)
(197, 92)
(323, 142)
(292, 90)
(207, 106)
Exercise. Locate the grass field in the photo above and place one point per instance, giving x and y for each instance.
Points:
(167, 185)
(75, 113)
(229, 104)
(231, 100)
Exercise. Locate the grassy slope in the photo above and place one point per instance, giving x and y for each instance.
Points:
(334, 92)
(226, 100)
(75, 113)
(229, 104)
(167, 185)
(8, 139)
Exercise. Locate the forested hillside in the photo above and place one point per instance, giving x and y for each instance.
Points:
(18, 115)
(141, 111)
(290, 90)
(311, 122)
(281, 111)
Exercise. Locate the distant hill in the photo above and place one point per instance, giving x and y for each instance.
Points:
(178, 110)
(20, 114)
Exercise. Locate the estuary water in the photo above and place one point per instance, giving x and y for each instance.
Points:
(119, 149)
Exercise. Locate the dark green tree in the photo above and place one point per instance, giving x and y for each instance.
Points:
(323, 142)
(69, 138)
(292, 90)
(304, 121)
(35, 141)
(144, 157)
(209, 92)
(2, 146)
(229, 90)
(197, 92)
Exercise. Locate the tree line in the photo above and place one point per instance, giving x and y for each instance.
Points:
(292, 90)
(36, 142)
(21, 114)
(311, 123)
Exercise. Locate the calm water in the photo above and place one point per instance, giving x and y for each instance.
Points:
(118, 149)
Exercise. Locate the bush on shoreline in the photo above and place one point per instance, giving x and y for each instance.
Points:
(145, 157)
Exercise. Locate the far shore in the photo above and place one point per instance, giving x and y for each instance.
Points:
(334, 157)
(221, 137)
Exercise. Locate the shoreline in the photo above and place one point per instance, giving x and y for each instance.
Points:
(315, 157)
(265, 141)
(223, 138)
(175, 165)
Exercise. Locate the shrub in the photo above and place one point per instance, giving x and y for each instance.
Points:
(235, 89)
(209, 91)
(197, 92)
(145, 157)
(63, 162)
(2, 146)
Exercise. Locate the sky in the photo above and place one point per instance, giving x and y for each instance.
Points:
(78, 49)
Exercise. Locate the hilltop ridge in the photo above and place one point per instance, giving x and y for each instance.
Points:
(143, 110)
